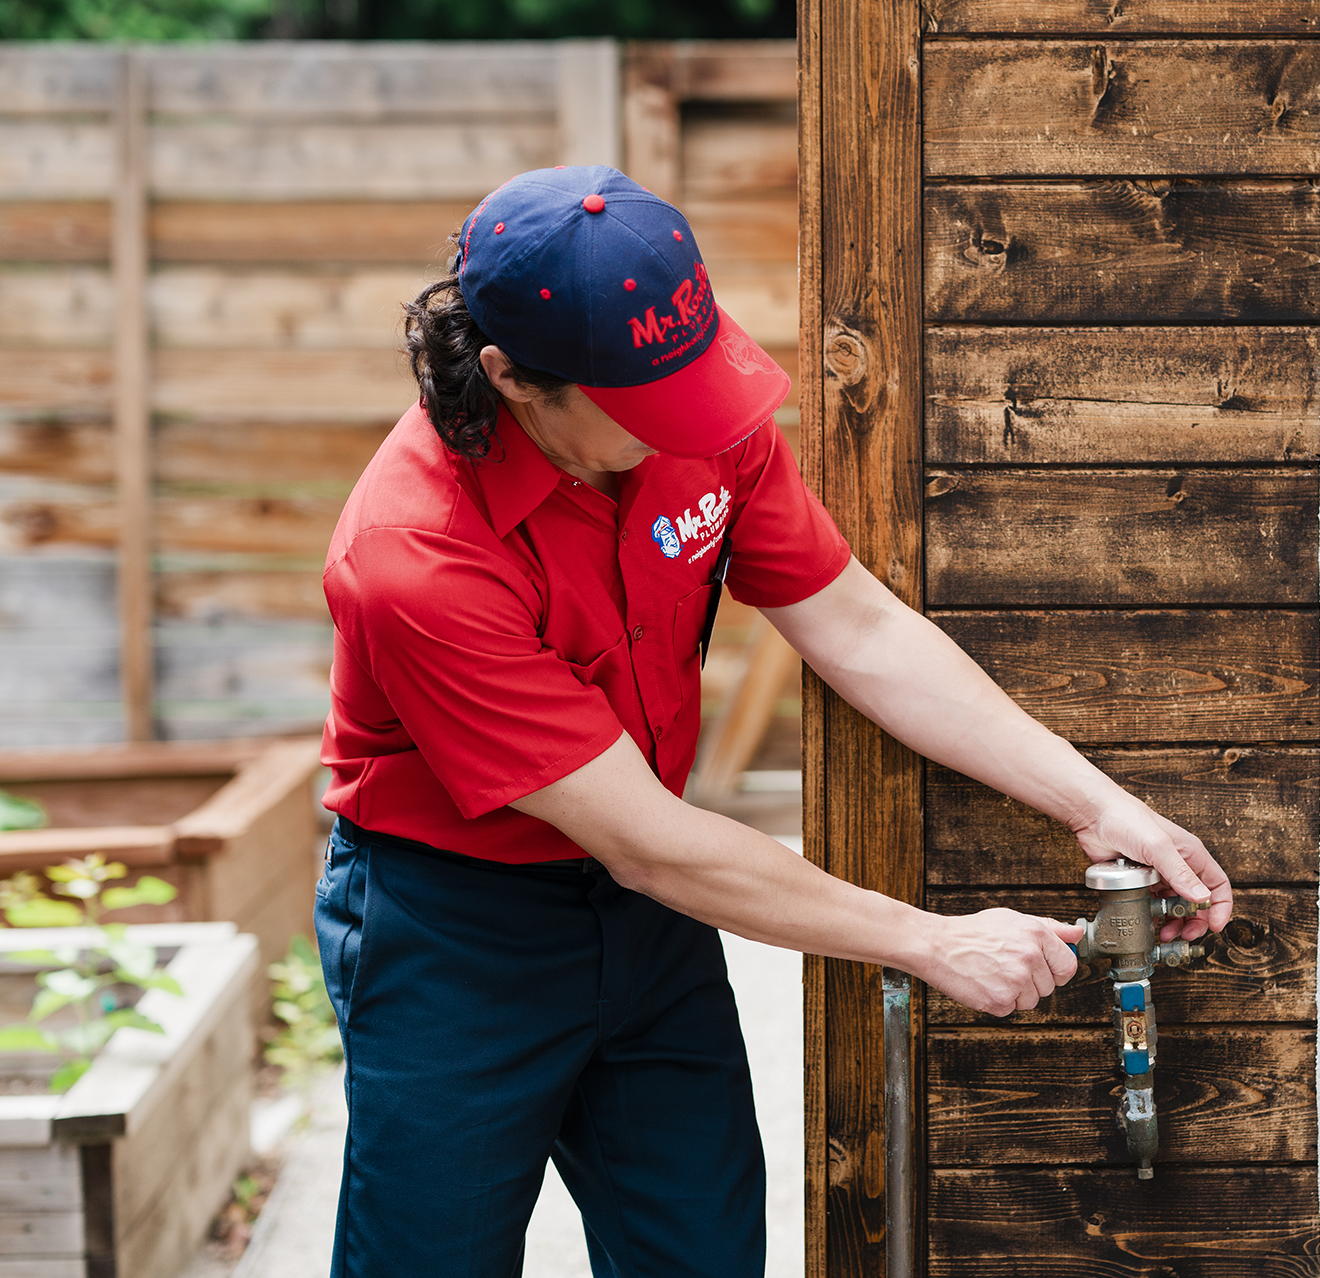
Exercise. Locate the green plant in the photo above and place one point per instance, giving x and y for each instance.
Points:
(82, 978)
(20, 814)
(309, 1040)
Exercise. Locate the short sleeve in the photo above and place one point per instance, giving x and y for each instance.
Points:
(448, 632)
(785, 545)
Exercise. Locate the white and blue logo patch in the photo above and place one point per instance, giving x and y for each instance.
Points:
(664, 536)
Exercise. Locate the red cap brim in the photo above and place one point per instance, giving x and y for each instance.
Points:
(719, 399)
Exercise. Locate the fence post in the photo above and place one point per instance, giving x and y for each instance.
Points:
(132, 410)
(588, 96)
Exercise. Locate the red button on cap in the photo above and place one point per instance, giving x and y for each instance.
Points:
(594, 203)
(630, 285)
(678, 235)
(545, 293)
(499, 228)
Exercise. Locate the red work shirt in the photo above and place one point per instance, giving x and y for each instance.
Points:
(499, 624)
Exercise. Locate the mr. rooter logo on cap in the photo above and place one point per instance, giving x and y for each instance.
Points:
(684, 326)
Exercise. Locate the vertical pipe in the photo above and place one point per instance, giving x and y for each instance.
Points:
(132, 422)
(899, 1187)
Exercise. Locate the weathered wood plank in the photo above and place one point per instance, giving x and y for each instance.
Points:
(289, 79)
(1124, 107)
(1132, 17)
(1123, 538)
(313, 308)
(1036, 395)
(44, 159)
(54, 231)
(728, 155)
(717, 70)
(1261, 968)
(1224, 1095)
(1118, 252)
(1108, 677)
(1256, 809)
(221, 385)
(291, 525)
(1105, 1223)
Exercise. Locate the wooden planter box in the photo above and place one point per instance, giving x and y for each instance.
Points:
(232, 824)
(120, 1176)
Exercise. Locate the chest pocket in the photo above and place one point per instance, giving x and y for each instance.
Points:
(689, 622)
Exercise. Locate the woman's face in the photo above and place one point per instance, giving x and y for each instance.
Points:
(573, 432)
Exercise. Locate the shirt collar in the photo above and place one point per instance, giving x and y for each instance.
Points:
(516, 476)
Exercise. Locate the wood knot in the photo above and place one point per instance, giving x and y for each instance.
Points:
(846, 355)
(1102, 72)
(1174, 489)
(939, 484)
(1232, 755)
(989, 254)
(35, 523)
(1278, 108)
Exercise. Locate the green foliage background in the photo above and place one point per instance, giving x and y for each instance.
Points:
(392, 19)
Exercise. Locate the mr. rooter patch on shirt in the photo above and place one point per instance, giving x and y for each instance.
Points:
(499, 624)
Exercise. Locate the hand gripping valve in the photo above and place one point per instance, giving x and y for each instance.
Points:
(1124, 932)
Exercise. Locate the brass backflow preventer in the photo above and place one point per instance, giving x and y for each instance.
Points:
(1124, 932)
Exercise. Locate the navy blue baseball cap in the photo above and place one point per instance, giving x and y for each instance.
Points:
(583, 274)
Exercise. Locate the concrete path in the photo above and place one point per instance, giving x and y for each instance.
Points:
(294, 1234)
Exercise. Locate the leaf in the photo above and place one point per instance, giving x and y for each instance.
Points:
(40, 958)
(300, 948)
(44, 913)
(20, 814)
(156, 981)
(131, 1018)
(73, 985)
(46, 1002)
(68, 1074)
(136, 961)
(148, 890)
(88, 1038)
(26, 1038)
(83, 889)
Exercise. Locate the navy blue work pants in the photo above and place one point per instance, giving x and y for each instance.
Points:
(497, 1016)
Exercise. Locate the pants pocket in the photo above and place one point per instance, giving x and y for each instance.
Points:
(340, 897)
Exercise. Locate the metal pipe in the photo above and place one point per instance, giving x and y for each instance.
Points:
(899, 1186)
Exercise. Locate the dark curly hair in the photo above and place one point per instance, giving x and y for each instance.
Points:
(444, 348)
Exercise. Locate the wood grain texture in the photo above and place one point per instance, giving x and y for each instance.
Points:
(717, 70)
(1131, 108)
(1257, 809)
(55, 231)
(1129, 18)
(1261, 968)
(1196, 1222)
(863, 150)
(1224, 1095)
(1038, 395)
(1109, 677)
(1121, 538)
(734, 155)
(1123, 252)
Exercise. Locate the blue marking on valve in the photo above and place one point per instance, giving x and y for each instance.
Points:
(1132, 998)
(1136, 1062)
(1072, 947)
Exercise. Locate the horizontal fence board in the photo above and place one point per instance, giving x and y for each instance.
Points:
(347, 230)
(300, 526)
(1257, 809)
(1129, 18)
(234, 595)
(731, 158)
(1037, 395)
(1262, 967)
(1111, 677)
(1223, 1095)
(219, 385)
(1032, 538)
(54, 231)
(310, 308)
(273, 458)
(332, 385)
(1124, 107)
(1196, 1222)
(300, 79)
(717, 70)
(1117, 252)
(73, 160)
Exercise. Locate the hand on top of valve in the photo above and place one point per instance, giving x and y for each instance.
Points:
(1126, 827)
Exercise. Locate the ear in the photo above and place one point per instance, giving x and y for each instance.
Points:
(499, 372)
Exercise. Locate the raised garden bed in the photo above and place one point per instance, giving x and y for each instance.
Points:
(120, 1176)
(231, 824)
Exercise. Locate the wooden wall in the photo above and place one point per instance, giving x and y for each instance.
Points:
(1117, 441)
(296, 194)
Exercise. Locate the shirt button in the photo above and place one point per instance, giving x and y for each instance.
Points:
(623, 536)
(638, 632)
(659, 732)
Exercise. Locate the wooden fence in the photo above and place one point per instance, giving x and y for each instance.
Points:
(203, 250)
(1061, 272)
